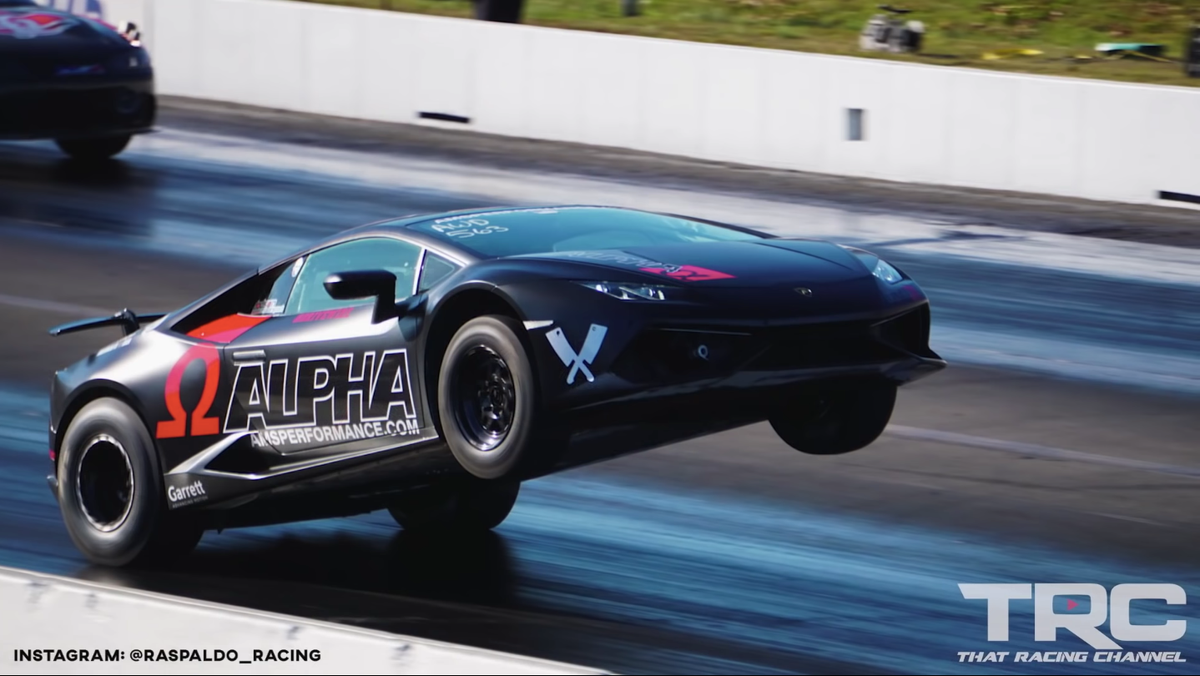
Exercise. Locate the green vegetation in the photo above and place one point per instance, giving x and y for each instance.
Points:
(958, 32)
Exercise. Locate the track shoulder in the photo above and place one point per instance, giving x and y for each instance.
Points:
(965, 206)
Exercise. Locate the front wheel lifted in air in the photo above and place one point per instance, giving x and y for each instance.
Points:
(110, 490)
(490, 411)
(92, 149)
(471, 506)
(841, 420)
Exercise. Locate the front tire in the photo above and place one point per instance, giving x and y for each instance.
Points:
(841, 421)
(461, 508)
(488, 404)
(94, 149)
(110, 491)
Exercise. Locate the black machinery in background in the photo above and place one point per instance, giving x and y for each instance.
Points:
(504, 11)
(511, 11)
(1191, 53)
(884, 33)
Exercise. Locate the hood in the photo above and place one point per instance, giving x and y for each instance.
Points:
(738, 264)
(773, 279)
(44, 32)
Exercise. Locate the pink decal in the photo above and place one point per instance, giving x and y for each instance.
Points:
(689, 273)
(28, 25)
(323, 315)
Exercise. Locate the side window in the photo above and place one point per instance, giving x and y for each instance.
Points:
(434, 270)
(374, 253)
(275, 300)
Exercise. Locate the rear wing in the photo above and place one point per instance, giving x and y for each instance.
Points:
(126, 319)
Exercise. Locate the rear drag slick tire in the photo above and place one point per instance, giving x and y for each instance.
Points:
(110, 491)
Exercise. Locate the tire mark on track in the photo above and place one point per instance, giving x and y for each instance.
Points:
(1039, 451)
(53, 306)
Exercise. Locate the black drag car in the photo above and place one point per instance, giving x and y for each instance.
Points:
(428, 365)
(70, 78)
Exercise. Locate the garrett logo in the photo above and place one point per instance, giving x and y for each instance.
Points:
(191, 493)
(29, 25)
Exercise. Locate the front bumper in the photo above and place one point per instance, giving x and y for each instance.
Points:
(106, 107)
(53, 482)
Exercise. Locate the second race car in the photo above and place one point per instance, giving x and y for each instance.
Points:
(429, 365)
(72, 79)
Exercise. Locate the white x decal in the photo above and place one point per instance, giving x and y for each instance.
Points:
(578, 361)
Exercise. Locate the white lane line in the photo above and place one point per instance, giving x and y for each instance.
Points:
(1038, 451)
(1150, 368)
(1132, 519)
(54, 306)
(1112, 259)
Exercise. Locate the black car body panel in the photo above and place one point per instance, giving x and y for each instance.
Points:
(67, 76)
(262, 414)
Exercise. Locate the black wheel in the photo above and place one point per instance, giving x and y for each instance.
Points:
(839, 421)
(92, 149)
(462, 507)
(488, 403)
(110, 491)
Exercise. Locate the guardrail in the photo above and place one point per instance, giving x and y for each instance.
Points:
(43, 614)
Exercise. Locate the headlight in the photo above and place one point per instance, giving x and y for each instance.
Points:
(886, 272)
(632, 291)
(879, 267)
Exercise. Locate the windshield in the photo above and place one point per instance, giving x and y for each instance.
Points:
(517, 232)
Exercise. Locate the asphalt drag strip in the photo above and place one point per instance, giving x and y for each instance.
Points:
(732, 554)
(1059, 447)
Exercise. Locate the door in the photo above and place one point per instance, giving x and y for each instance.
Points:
(322, 379)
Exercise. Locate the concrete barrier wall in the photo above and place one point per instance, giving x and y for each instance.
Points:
(47, 613)
(786, 110)
(930, 124)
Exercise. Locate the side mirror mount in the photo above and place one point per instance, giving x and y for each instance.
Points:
(377, 284)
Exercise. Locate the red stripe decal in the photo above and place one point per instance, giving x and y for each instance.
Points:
(227, 329)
